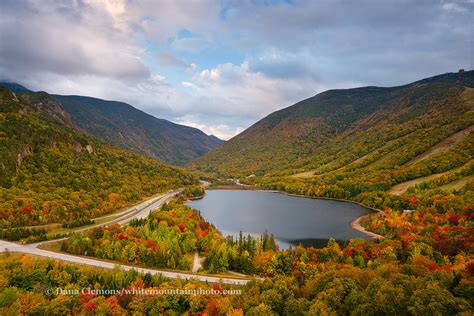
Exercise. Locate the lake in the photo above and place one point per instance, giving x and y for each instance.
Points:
(293, 220)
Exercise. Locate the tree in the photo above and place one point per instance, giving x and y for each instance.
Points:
(434, 300)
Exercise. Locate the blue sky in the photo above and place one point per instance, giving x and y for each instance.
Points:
(223, 65)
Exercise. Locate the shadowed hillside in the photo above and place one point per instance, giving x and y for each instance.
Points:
(52, 172)
(123, 125)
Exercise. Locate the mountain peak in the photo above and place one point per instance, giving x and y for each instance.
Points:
(314, 129)
(121, 124)
(14, 87)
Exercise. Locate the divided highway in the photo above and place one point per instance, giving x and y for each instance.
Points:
(139, 211)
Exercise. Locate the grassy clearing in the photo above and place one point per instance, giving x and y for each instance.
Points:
(402, 187)
(456, 185)
(443, 146)
(100, 221)
(307, 174)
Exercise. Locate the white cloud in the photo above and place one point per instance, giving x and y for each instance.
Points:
(222, 131)
(240, 93)
(70, 40)
(119, 50)
(189, 85)
(451, 6)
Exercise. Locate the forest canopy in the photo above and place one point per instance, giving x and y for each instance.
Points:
(51, 172)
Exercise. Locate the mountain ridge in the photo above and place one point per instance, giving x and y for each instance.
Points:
(121, 124)
(352, 140)
(52, 172)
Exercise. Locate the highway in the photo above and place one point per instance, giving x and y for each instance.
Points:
(139, 211)
(32, 250)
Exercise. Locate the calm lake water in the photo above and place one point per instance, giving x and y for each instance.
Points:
(293, 220)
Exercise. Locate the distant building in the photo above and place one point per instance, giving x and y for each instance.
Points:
(461, 71)
(408, 211)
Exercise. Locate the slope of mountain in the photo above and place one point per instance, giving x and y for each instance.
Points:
(122, 125)
(50, 171)
(341, 143)
(14, 87)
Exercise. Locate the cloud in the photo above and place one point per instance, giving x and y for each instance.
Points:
(232, 97)
(222, 131)
(193, 44)
(170, 60)
(355, 41)
(160, 21)
(222, 65)
(275, 63)
(71, 39)
(452, 6)
(189, 85)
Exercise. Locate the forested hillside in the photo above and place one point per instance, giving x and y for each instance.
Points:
(402, 148)
(342, 143)
(370, 129)
(123, 125)
(400, 276)
(52, 172)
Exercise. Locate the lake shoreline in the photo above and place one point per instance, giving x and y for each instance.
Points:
(355, 224)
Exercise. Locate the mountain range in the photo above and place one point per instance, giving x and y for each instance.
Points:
(122, 125)
(346, 143)
(341, 143)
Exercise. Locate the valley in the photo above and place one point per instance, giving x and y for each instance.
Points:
(237, 158)
(405, 151)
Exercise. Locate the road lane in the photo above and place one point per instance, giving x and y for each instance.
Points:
(13, 247)
(142, 211)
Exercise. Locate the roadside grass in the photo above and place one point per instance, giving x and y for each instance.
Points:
(56, 228)
(52, 233)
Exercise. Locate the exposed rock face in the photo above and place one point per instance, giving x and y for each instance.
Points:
(23, 154)
(47, 104)
(88, 148)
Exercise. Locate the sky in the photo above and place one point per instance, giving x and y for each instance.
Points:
(222, 65)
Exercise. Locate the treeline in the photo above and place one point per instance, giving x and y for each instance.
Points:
(347, 182)
(82, 221)
(194, 192)
(29, 287)
(239, 255)
(366, 278)
(400, 277)
(16, 234)
(408, 273)
(167, 238)
(443, 220)
(387, 128)
(464, 173)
